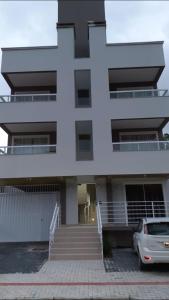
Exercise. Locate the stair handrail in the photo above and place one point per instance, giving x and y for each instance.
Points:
(55, 223)
(99, 225)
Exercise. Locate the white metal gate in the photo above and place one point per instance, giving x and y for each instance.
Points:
(26, 212)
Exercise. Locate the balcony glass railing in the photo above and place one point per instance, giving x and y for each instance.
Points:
(27, 149)
(138, 94)
(141, 146)
(27, 98)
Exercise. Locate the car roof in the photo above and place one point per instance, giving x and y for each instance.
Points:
(155, 220)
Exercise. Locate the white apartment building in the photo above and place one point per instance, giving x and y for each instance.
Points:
(84, 121)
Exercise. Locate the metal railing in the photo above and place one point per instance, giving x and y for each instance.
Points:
(55, 224)
(27, 149)
(138, 93)
(29, 189)
(27, 98)
(124, 213)
(99, 225)
(141, 146)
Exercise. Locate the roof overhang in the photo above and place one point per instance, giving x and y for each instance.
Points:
(11, 128)
(140, 76)
(134, 124)
(30, 80)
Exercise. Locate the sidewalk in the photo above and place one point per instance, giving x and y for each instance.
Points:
(84, 280)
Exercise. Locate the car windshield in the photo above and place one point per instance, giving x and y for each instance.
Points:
(161, 228)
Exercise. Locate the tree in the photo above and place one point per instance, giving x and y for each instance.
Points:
(166, 136)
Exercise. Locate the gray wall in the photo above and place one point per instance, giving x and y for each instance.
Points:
(103, 110)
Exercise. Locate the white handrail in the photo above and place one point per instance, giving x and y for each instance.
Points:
(129, 212)
(10, 150)
(141, 146)
(27, 98)
(55, 223)
(99, 225)
(139, 93)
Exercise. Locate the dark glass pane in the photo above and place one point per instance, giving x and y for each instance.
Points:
(161, 228)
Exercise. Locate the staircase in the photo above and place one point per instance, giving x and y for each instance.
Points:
(76, 242)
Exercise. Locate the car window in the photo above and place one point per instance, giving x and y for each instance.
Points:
(139, 227)
(161, 228)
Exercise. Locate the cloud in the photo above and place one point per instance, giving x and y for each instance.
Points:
(31, 23)
(26, 23)
(133, 21)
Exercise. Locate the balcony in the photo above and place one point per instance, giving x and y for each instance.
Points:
(27, 98)
(141, 146)
(27, 149)
(149, 93)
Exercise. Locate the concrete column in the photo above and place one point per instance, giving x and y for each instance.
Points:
(109, 199)
(101, 197)
(71, 202)
(63, 203)
(119, 214)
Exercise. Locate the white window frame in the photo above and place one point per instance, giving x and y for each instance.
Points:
(30, 150)
(31, 136)
(139, 133)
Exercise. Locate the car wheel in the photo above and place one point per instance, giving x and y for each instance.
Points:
(142, 266)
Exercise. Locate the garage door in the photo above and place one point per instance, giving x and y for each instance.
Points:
(26, 213)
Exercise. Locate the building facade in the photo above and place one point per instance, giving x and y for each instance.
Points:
(84, 123)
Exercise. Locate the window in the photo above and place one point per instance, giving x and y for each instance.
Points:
(84, 140)
(31, 141)
(140, 226)
(82, 88)
(161, 228)
(144, 200)
(138, 136)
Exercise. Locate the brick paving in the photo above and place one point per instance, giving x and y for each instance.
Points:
(122, 260)
(84, 280)
(125, 260)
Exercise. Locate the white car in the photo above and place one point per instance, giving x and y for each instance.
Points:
(151, 241)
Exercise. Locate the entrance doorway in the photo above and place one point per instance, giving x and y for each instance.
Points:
(144, 200)
(86, 195)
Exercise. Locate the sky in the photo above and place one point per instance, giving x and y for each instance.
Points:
(32, 23)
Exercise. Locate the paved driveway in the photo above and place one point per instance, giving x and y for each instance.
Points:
(125, 260)
(22, 257)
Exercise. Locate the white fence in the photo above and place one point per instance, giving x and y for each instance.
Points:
(124, 213)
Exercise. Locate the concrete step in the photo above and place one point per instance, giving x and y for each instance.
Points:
(78, 230)
(76, 239)
(77, 226)
(75, 233)
(76, 244)
(75, 251)
(81, 256)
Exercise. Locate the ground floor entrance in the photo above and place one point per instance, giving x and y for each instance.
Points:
(144, 200)
(26, 210)
(86, 197)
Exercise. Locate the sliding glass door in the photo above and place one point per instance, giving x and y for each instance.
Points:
(31, 144)
(144, 200)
